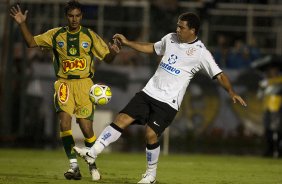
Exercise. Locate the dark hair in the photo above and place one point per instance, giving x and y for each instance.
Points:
(193, 21)
(71, 5)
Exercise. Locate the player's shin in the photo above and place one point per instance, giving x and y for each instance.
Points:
(68, 143)
(110, 134)
(152, 154)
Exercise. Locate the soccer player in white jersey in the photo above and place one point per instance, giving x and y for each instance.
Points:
(183, 55)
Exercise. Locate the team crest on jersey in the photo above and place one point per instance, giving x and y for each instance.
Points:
(85, 44)
(190, 51)
(63, 93)
(61, 44)
(76, 64)
(73, 51)
(172, 59)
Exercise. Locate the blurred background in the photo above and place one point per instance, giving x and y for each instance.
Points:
(245, 37)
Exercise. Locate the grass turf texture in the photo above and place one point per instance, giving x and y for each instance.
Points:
(39, 166)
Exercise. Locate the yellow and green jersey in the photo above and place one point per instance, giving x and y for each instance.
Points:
(73, 53)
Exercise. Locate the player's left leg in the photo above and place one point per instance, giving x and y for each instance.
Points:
(86, 127)
(109, 135)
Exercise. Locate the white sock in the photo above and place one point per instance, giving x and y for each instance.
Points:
(152, 156)
(73, 163)
(110, 134)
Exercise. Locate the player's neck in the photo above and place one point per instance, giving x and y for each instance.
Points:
(192, 40)
(73, 30)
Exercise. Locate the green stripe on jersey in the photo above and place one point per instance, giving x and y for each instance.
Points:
(73, 44)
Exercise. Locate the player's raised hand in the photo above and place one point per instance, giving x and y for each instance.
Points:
(17, 14)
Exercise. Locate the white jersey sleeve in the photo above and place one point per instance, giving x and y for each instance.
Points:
(209, 64)
(160, 46)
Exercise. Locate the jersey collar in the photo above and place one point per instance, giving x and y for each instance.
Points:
(193, 41)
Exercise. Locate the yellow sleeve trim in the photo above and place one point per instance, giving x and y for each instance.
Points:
(65, 133)
(90, 140)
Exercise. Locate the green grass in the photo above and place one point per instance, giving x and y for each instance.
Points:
(38, 166)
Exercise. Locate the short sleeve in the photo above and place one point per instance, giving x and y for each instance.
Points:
(45, 39)
(100, 48)
(209, 64)
(160, 46)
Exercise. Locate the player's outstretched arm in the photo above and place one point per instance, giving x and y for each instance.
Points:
(141, 47)
(225, 83)
(20, 19)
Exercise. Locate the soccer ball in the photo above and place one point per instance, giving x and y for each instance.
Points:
(100, 94)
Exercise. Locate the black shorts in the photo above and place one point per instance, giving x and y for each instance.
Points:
(147, 110)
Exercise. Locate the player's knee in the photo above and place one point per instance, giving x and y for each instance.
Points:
(123, 120)
(65, 125)
(150, 136)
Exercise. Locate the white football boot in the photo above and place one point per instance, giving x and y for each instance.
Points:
(147, 178)
(96, 176)
(85, 154)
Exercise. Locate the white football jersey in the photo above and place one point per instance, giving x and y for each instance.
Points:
(179, 64)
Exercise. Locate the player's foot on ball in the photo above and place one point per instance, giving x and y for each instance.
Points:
(94, 172)
(73, 174)
(147, 178)
(85, 154)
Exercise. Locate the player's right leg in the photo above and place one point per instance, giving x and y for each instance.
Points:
(68, 142)
(86, 127)
(109, 135)
(161, 116)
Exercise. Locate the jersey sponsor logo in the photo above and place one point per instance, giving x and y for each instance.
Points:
(190, 51)
(63, 93)
(172, 59)
(61, 44)
(76, 64)
(72, 39)
(169, 68)
(84, 44)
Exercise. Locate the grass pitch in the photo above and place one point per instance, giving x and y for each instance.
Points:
(39, 166)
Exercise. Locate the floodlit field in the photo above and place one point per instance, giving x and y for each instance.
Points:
(39, 166)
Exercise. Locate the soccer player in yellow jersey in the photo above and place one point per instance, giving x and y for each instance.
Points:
(74, 48)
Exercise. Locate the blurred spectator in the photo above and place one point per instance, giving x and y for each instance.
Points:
(241, 55)
(162, 13)
(17, 74)
(271, 92)
(222, 52)
(254, 50)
